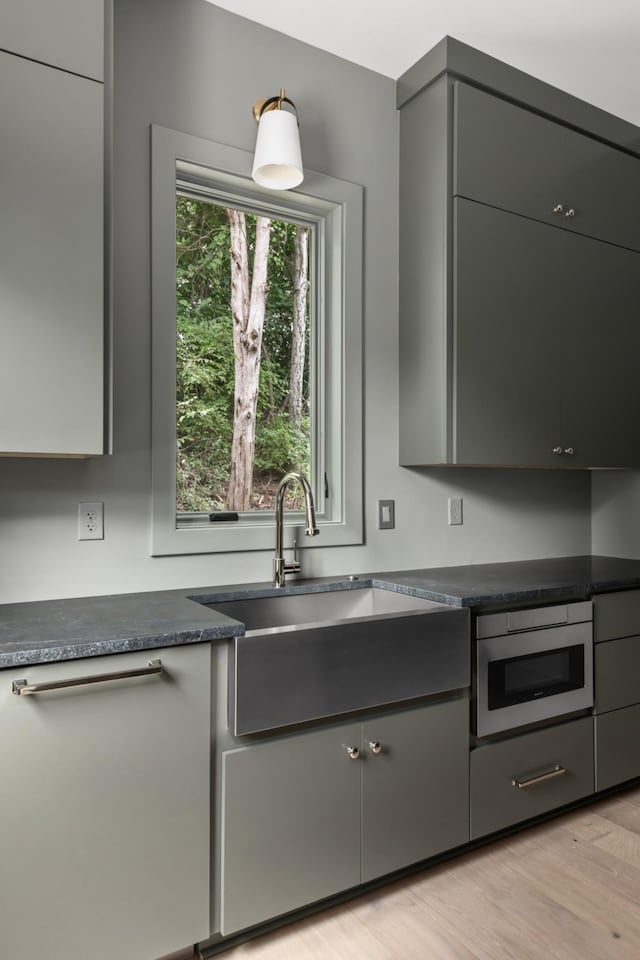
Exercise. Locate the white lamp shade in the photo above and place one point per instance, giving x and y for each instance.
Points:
(277, 163)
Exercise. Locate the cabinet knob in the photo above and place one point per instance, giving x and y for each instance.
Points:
(558, 209)
(375, 746)
(570, 212)
(569, 451)
(353, 752)
(558, 451)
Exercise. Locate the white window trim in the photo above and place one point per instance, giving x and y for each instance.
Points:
(336, 207)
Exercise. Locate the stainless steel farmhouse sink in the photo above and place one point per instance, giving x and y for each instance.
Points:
(289, 611)
(309, 656)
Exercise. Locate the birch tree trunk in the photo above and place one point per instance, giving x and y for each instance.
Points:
(300, 292)
(248, 302)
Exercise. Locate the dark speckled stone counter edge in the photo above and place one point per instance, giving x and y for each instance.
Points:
(56, 630)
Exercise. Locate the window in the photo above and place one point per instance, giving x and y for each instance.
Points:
(247, 358)
(204, 205)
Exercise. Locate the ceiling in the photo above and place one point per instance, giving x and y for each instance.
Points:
(590, 48)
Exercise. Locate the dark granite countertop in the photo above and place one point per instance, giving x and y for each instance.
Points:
(526, 581)
(50, 630)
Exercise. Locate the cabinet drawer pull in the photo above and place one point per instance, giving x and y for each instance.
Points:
(353, 752)
(556, 771)
(375, 746)
(22, 688)
(570, 212)
(558, 209)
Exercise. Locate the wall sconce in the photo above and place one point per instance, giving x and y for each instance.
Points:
(277, 162)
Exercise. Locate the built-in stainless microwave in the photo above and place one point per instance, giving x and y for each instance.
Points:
(532, 665)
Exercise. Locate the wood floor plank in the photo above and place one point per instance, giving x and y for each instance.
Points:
(397, 919)
(603, 911)
(503, 916)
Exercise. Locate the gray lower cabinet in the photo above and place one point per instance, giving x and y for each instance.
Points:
(617, 746)
(617, 692)
(415, 789)
(616, 615)
(51, 261)
(617, 668)
(105, 808)
(529, 775)
(290, 824)
(307, 816)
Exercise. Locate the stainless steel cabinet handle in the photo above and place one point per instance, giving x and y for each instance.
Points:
(353, 752)
(558, 209)
(558, 451)
(556, 771)
(375, 746)
(570, 212)
(22, 688)
(569, 451)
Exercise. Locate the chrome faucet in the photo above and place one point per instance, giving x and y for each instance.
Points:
(280, 566)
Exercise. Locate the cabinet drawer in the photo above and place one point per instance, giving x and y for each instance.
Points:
(498, 802)
(616, 615)
(617, 747)
(511, 158)
(617, 669)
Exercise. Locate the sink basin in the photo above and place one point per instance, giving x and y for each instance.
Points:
(311, 656)
(290, 611)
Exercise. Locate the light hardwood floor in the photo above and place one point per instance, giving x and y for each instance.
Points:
(568, 889)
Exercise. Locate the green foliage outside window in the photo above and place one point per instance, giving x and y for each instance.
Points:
(205, 362)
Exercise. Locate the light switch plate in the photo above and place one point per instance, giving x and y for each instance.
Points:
(386, 514)
(455, 511)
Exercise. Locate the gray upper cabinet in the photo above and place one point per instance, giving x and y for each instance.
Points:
(517, 323)
(546, 344)
(67, 34)
(105, 807)
(51, 261)
(512, 158)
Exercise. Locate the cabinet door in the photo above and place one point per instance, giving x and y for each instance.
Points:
(509, 339)
(600, 377)
(510, 157)
(51, 273)
(63, 33)
(415, 790)
(105, 809)
(290, 824)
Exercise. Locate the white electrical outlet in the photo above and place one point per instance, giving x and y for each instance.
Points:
(455, 511)
(90, 521)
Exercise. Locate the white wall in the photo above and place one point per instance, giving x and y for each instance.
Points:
(193, 67)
